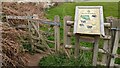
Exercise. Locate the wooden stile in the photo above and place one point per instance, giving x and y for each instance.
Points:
(108, 49)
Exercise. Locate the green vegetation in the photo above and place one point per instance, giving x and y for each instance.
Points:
(110, 9)
(63, 60)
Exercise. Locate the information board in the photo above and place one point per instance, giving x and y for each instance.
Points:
(89, 20)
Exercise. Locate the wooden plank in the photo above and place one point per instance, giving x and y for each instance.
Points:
(85, 48)
(71, 23)
(107, 25)
(117, 65)
(76, 45)
(19, 17)
(110, 19)
(106, 44)
(87, 39)
(115, 47)
(117, 56)
(83, 38)
(57, 33)
(100, 63)
(95, 51)
(67, 39)
(106, 37)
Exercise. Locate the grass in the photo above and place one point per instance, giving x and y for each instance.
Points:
(110, 9)
(62, 60)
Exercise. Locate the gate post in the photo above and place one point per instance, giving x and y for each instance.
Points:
(57, 33)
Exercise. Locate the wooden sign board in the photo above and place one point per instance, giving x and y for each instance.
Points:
(89, 20)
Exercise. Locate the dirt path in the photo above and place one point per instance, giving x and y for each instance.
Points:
(33, 60)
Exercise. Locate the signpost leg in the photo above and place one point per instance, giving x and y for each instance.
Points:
(76, 45)
(95, 51)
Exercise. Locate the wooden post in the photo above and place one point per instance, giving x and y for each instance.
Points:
(67, 39)
(95, 51)
(57, 33)
(76, 45)
(110, 19)
(105, 46)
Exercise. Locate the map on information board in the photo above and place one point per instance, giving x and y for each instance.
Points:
(88, 20)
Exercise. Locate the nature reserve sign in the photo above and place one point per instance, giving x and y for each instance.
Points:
(89, 20)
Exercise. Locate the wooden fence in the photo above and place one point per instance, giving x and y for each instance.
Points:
(33, 29)
(110, 46)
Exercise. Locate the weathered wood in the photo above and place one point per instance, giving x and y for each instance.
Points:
(85, 48)
(70, 23)
(117, 65)
(69, 34)
(100, 63)
(117, 56)
(95, 51)
(67, 39)
(115, 47)
(106, 44)
(87, 39)
(110, 20)
(114, 41)
(57, 33)
(107, 24)
(106, 37)
(69, 46)
(76, 45)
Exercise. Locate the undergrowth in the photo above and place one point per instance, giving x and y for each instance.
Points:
(63, 60)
